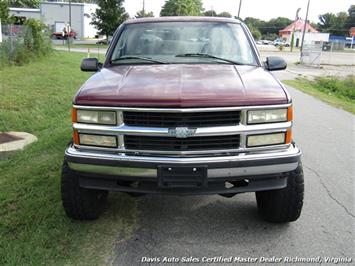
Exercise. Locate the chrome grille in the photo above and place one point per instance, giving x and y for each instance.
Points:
(175, 144)
(194, 119)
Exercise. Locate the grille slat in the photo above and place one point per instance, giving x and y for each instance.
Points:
(202, 119)
(175, 144)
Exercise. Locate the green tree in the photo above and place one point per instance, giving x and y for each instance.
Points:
(270, 36)
(143, 14)
(326, 22)
(109, 16)
(253, 25)
(210, 13)
(4, 12)
(182, 8)
(24, 3)
(334, 24)
(273, 26)
(342, 28)
(351, 18)
(225, 15)
(255, 32)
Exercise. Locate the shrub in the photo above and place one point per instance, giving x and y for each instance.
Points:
(338, 87)
(37, 41)
(24, 43)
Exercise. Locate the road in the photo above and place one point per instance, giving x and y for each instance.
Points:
(326, 58)
(215, 226)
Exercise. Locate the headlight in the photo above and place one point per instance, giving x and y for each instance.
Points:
(268, 116)
(266, 139)
(98, 140)
(96, 117)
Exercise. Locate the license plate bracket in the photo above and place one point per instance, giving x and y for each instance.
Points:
(182, 176)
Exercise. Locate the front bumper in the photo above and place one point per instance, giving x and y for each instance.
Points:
(244, 172)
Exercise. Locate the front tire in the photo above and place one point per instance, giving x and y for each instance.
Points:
(80, 203)
(283, 205)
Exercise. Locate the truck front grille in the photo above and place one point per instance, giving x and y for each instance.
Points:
(176, 144)
(194, 119)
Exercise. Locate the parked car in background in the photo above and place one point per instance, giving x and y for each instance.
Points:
(266, 42)
(60, 35)
(183, 105)
(104, 41)
(280, 42)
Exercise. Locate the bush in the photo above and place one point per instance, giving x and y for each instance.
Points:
(24, 43)
(338, 87)
(38, 41)
(281, 47)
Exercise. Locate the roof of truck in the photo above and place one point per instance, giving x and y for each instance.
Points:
(183, 19)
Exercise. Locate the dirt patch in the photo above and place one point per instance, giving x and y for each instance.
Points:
(6, 137)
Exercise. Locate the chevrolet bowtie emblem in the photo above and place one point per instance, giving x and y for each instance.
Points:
(182, 132)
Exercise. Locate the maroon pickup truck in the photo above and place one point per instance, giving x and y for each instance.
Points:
(183, 105)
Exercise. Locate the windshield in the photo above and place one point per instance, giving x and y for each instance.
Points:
(183, 42)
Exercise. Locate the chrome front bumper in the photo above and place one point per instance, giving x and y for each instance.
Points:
(145, 167)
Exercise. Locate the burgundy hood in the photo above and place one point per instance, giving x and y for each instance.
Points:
(181, 85)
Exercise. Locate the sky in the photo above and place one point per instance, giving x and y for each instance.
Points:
(262, 9)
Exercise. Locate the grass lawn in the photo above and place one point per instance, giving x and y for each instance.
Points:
(34, 229)
(339, 92)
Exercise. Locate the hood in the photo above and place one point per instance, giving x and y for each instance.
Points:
(181, 85)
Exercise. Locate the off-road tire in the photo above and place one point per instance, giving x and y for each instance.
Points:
(283, 205)
(80, 203)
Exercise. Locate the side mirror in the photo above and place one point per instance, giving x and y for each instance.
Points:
(90, 65)
(275, 63)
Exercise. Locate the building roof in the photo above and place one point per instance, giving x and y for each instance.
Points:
(64, 3)
(298, 25)
(352, 31)
(17, 9)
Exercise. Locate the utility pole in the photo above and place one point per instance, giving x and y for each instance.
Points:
(1, 33)
(240, 6)
(70, 13)
(304, 30)
(143, 7)
(69, 30)
(293, 29)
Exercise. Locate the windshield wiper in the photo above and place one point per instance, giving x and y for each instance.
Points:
(137, 57)
(208, 56)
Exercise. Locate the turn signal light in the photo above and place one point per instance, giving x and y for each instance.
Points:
(290, 113)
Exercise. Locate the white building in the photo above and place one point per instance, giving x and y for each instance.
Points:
(312, 37)
(56, 16)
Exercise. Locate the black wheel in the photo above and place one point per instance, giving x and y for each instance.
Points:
(283, 205)
(80, 203)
